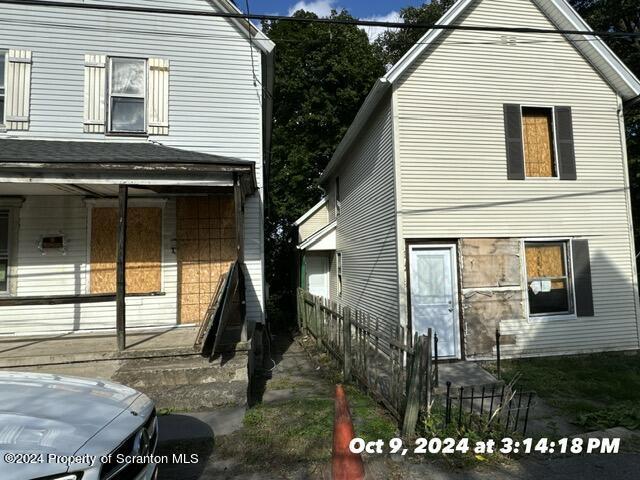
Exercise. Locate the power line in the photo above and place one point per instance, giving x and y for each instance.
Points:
(331, 21)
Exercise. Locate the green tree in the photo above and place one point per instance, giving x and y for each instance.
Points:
(323, 73)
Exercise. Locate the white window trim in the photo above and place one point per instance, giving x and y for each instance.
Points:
(92, 203)
(13, 206)
(109, 129)
(525, 286)
(556, 166)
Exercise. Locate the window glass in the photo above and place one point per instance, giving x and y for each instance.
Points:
(537, 137)
(548, 279)
(4, 249)
(127, 114)
(127, 77)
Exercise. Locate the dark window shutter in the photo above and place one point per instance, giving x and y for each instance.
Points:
(564, 143)
(513, 134)
(582, 278)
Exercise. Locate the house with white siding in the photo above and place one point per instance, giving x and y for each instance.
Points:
(133, 138)
(483, 186)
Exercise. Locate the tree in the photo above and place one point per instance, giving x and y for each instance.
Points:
(323, 73)
(394, 43)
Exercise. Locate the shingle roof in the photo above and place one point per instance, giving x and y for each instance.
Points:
(46, 151)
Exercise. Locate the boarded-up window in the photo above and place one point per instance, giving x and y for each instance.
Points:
(537, 137)
(548, 278)
(144, 249)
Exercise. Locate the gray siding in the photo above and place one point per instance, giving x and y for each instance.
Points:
(214, 105)
(366, 230)
(453, 169)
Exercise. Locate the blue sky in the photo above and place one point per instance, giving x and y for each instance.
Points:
(384, 10)
(358, 8)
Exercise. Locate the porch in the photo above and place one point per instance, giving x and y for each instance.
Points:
(103, 240)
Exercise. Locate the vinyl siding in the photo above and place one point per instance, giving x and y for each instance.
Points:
(366, 228)
(314, 223)
(214, 104)
(453, 168)
(57, 274)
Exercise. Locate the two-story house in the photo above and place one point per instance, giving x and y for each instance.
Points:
(133, 138)
(483, 185)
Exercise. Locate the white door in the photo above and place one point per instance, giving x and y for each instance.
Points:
(318, 275)
(434, 302)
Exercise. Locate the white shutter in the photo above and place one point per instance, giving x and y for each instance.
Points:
(158, 97)
(95, 74)
(18, 90)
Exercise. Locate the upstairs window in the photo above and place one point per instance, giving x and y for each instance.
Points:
(127, 95)
(537, 138)
(3, 59)
(549, 280)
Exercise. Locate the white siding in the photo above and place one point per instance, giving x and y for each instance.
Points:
(314, 223)
(453, 170)
(366, 229)
(57, 274)
(214, 104)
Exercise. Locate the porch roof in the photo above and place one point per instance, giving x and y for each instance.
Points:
(22, 155)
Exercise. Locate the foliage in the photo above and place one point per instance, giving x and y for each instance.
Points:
(323, 73)
(595, 391)
(394, 43)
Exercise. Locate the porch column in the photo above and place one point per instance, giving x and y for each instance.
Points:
(121, 249)
(238, 198)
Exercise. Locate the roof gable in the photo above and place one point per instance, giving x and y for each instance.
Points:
(563, 17)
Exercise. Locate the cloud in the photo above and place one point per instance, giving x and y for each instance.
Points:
(322, 8)
(375, 32)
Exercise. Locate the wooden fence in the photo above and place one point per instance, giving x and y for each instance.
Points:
(397, 372)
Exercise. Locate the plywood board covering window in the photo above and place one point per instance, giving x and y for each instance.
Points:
(537, 136)
(144, 249)
(206, 247)
(548, 279)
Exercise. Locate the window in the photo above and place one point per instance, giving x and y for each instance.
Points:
(549, 282)
(127, 96)
(4, 251)
(339, 271)
(3, 58)
(538, 142)
(338, 198)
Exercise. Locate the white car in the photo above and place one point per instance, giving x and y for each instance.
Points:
(65, 428)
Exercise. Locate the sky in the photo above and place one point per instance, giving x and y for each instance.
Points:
(384, 10)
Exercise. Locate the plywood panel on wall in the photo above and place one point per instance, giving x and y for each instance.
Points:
(144, 249)
(206, 247)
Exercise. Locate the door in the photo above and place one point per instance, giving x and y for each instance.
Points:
(318, 275)
(434, 302)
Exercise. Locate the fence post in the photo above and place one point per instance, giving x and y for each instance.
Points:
(346, 342)
(498, 352)
(429, 377)
(414, 392)
(298, 309)
(316, 319)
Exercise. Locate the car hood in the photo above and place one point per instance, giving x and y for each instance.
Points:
(41, 413)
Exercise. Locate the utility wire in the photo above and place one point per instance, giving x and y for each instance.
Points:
(331, 21)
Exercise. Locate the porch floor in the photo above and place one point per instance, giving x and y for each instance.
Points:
(87, 347)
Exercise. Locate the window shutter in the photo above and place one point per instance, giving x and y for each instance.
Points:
(95, 74)
(564, 143)
(18, 90)
(513, 135)
(158, 101)
(582, 278)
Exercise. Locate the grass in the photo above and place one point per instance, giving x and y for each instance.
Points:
(596, 391)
